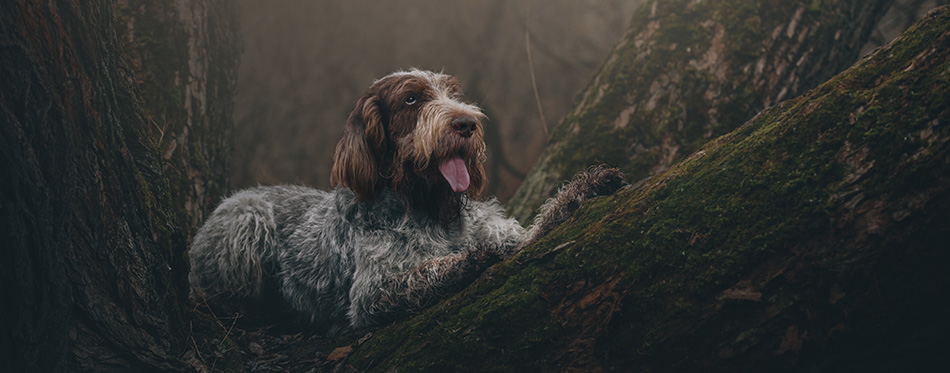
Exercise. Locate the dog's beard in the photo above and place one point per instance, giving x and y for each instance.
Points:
(428, 190)
(439, 186)
(430, 193)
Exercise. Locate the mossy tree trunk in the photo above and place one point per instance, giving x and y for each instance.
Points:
(98, 154)
(688, 71)
(811, 238)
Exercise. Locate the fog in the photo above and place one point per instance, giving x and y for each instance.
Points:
(306, 63)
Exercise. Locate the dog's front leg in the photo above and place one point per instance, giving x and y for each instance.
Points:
(405, 292)
(435, 278)
(594, 182)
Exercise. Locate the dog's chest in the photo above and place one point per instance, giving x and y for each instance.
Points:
(410, 242)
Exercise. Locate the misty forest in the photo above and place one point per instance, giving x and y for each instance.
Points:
(786, 165)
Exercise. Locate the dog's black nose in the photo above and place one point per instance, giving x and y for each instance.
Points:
(465, 126)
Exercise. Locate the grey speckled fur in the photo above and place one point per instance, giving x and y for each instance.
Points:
(339, 262)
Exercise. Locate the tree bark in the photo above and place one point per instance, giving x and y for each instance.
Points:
(811, 238)
(688, 71)
(95, 197)
(185, 56)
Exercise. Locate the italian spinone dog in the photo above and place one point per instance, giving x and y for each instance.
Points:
(403, 227)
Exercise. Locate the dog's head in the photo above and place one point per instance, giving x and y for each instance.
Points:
(413, 133)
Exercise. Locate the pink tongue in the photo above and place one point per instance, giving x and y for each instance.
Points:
(454, 171)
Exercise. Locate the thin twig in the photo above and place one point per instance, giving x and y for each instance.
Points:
(193, 342)
(534, 82)
(161, 130)
(226, 335)
(197, 350)
(233, 321)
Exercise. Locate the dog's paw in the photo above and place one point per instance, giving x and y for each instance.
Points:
(599, 180)
(605, 180)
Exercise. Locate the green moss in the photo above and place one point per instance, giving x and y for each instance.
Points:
(664, 50)
(662, 69)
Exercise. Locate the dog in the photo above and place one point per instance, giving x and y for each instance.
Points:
(404, 225)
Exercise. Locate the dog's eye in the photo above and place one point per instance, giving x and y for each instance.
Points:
(412, 99)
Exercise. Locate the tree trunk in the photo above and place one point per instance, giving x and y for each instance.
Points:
(688, 71)
(811, 238)
(92, 266)
(185, 56)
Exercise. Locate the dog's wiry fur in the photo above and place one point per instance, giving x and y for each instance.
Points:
(394, 235)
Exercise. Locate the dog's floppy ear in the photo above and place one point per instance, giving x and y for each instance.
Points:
(357, 160)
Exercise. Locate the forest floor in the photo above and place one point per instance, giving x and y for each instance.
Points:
(235, 343)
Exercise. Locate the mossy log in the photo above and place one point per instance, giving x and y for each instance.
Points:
(689, 71)
(811, 238)
(92, 269)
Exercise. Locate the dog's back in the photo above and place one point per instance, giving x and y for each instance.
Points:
(236, 257)
(235, 247)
